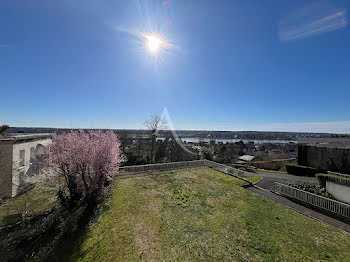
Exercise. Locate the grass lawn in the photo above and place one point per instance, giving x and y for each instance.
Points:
(201, 214)
(256, 179)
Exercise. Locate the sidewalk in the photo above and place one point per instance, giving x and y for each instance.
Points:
(301, 209)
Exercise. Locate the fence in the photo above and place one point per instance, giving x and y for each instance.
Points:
(246, 176)
(342, 179)
(327, 204)
(339, 180)
(164, 166)
(338, 174)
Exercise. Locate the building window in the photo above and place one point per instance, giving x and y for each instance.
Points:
(21, 158)
(32, 154)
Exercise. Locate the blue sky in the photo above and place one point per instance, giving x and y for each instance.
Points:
(232, 65)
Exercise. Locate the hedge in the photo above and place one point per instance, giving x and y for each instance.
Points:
(301, 170)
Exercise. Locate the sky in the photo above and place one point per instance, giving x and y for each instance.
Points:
(227, 65)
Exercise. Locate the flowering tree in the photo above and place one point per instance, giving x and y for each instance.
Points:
(85, 160)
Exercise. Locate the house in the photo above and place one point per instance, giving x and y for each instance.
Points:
(17, 153)
(246, 158)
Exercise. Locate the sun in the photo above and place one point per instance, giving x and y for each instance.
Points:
(153, 43)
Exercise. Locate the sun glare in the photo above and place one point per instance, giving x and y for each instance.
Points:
(153, 43)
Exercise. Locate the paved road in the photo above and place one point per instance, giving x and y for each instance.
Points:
(269, 179)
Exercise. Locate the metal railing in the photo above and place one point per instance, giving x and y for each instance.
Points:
(246, 176)
(339, 178)
(164, 166)
(338, 174)
(327, 204)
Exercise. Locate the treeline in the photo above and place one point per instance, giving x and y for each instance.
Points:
(138, 151)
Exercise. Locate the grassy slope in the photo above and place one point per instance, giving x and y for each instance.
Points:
(201, 214)
(37, 200)
(256, 179)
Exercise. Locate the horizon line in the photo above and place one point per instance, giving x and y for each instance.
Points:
(187, 130)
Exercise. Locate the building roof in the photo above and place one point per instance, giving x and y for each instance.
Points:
(21, 137)
(326, 142)
(246, 158)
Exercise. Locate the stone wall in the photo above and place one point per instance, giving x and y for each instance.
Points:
(5, 169)
(325, 158)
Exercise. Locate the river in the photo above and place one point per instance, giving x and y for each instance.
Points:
(232, 140)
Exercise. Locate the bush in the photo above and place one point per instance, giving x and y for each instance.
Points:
(301, 170)
(321, 179)
(312, 188)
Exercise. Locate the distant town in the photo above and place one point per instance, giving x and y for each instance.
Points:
(252, 135)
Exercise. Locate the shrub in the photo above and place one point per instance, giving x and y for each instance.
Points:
(301, 170)
(312, 188)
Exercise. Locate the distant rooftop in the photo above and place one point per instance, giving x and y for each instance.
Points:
(23, 136)
(326, 142)
(246, 158)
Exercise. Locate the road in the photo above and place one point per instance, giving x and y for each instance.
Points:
(269, 179)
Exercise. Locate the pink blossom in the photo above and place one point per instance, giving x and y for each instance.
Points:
(86, 160)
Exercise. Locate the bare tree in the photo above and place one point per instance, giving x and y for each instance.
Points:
(153, 125)
(3, 128)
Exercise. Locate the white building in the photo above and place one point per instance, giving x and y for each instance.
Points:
(246, 158)
(17, 153)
